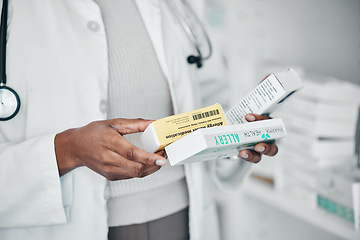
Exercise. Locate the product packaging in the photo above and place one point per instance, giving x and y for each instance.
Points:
(267, 96)
(164, 131)
(223, 142)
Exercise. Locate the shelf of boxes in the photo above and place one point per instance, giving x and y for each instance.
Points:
(301, 209)
(313, 173)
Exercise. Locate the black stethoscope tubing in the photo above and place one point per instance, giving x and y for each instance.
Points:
(3, 87)
(3, 33)
(198, 60)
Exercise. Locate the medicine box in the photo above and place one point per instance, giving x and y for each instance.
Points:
(267, 96)
(164, 131)
(223, 142)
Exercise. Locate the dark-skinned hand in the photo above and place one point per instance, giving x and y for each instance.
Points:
(260, 148)
(101, 147)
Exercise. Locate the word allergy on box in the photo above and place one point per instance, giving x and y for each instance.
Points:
(223, 142)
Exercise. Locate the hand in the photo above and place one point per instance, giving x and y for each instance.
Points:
(260, 148)
(101, 147)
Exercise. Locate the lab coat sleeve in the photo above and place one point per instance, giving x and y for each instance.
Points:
(30, 186)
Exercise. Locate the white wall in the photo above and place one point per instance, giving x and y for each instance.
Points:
(322, 36)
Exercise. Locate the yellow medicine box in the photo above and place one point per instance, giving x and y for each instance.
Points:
(162, 132)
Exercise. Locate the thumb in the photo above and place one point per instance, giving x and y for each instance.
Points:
(265, 77)
(256, 117)
(126, 126)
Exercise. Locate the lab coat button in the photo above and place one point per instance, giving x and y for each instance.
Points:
(93, 26)
(103, 106)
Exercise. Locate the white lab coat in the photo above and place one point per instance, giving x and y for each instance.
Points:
(57, 62)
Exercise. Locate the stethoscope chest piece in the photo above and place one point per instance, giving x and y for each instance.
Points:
(9, 103)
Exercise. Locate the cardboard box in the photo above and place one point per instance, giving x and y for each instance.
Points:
(223, 142)
(164, 131)
(266, 96)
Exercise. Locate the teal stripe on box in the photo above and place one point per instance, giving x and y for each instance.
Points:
(336, 208)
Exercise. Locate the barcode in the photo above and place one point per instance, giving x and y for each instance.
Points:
(206, 114)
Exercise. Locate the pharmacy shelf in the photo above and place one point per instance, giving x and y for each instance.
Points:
(291, 205)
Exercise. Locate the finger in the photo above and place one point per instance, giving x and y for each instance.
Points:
(127, 150)
(127, 126)
(269, 149)
(112, 172)
(113, 161)
(250, 156)
(250, 117)
(116, 165)
(118, 173)
(151, 170)
(265, 77)
(119, 176)
(161, 153)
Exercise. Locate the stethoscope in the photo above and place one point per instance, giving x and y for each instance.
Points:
(9, 99)
(190, 32)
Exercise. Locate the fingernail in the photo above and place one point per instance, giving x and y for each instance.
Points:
(260, 149)
(244, 155)
(251, 117)
(160, 162)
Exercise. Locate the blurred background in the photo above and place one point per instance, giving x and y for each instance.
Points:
(310, 190)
